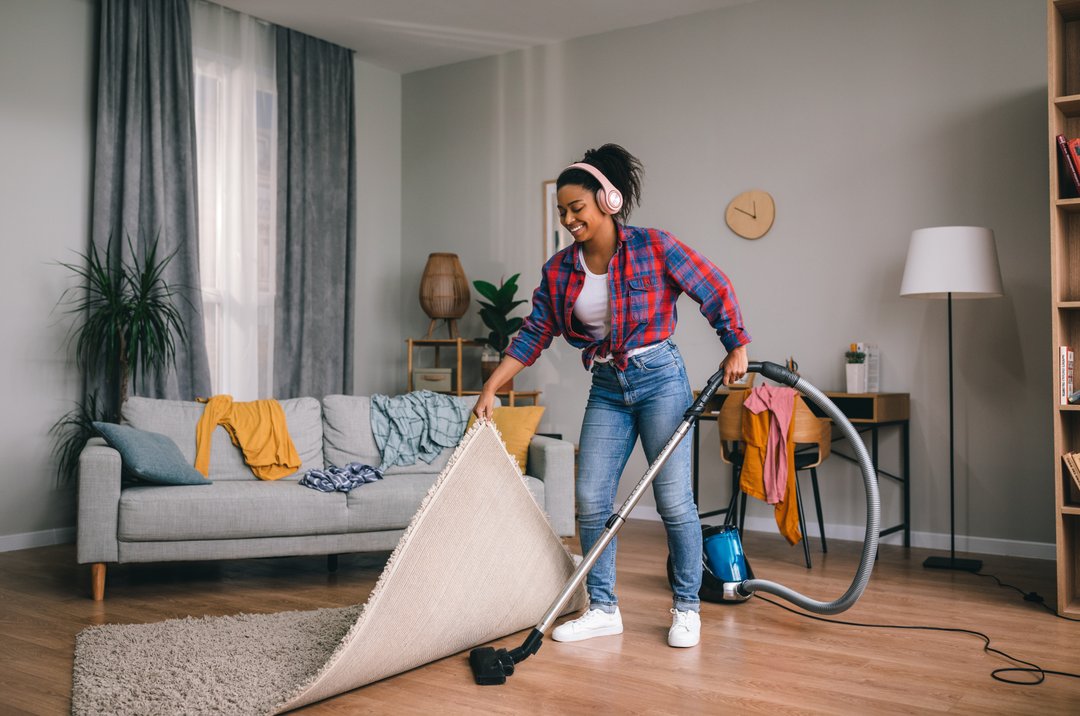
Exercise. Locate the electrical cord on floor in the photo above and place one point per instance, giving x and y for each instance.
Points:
(1038, 672)
(1033, 597)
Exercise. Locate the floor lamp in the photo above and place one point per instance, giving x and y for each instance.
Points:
(952, 262)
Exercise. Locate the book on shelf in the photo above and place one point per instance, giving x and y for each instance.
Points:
(1066, 374)
(1074, 153)
(1072, 464)
(1070, 184)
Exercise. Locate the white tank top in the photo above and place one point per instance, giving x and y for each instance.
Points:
(592, 307)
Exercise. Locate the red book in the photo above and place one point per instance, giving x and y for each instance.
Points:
(1067, 165)
(1074, 154)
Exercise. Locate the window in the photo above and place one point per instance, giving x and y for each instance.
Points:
(236, 128)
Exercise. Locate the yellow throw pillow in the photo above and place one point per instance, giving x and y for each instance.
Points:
(517, 426)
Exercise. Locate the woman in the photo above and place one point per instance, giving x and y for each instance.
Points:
(612, 293)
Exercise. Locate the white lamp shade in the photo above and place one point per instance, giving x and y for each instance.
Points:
(961, 260)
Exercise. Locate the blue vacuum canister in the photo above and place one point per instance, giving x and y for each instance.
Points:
(725, 560)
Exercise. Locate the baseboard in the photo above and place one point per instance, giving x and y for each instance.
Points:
(44, 538)
(927, 540)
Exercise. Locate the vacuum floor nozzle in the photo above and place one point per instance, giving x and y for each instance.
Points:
(491, 666)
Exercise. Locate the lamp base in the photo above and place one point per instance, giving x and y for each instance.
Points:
(964, 565)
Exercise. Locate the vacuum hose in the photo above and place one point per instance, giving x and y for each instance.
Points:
(873, 501)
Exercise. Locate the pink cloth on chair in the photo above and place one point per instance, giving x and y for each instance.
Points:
(780, 402)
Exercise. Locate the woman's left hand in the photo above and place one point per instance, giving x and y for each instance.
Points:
(734, 365)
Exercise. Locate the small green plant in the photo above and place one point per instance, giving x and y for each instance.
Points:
(855, 357)
(495, 313)
(129, 327)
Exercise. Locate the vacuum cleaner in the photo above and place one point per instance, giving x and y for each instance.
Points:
(491, 666)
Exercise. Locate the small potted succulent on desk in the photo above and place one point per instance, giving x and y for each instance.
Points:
(495, 313)
(856, 370)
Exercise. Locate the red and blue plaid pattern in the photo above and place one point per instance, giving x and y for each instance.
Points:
(649, 271)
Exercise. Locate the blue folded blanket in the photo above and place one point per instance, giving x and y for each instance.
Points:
(416, 426)
(340, 479)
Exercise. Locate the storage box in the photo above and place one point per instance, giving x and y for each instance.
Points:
(436, 379)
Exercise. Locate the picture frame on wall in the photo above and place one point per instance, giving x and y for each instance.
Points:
(556, 237)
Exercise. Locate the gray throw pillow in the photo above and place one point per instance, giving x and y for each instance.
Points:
(152, 457)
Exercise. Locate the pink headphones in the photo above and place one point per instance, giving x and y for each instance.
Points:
(608, 198)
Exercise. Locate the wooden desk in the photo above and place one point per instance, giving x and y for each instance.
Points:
(868, 413)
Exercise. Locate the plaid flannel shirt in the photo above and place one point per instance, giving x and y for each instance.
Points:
(649, 271)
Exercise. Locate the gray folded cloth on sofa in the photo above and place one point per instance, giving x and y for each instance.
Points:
(417, 425)
(340, 479)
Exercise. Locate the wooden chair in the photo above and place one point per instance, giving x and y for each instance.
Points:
(813, 443)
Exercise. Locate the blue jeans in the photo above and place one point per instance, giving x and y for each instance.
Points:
(647, 399)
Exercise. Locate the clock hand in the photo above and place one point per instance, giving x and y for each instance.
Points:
(755, 209)
(752, 216)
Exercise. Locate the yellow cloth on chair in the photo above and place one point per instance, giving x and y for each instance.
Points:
(258, 428)
(755, 429)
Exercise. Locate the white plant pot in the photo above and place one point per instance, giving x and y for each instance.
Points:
(856, 377)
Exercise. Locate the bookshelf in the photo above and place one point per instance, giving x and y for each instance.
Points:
(1063, 83)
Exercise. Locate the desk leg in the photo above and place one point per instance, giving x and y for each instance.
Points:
(874, 447)
(904, 429)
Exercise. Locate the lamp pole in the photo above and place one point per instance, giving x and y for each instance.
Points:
(951, 562)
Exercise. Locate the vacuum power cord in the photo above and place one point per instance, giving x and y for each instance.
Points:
(1028, 668)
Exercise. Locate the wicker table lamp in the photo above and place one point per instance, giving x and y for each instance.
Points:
(444, 291)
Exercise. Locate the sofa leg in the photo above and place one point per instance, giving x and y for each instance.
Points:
(97, 581)
(331, 563)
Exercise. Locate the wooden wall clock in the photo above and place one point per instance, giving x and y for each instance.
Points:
(751, 214)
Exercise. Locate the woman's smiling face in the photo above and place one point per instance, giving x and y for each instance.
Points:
(579, 213)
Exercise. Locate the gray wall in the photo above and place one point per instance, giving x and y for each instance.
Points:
(46, 130)
(378, 232)
(47, 63)
(865, 120)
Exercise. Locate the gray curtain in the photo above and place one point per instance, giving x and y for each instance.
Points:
(313, 321)
(144, 167)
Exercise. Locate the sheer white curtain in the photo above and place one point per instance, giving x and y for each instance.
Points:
(236, 128)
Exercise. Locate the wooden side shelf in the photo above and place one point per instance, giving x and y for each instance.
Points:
(458, 345)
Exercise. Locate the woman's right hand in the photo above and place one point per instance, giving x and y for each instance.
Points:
(485, 402)
(485, 405)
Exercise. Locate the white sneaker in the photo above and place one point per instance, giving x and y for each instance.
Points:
(685, 629)
(594, 622)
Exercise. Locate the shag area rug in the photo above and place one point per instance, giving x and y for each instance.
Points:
(477, 562)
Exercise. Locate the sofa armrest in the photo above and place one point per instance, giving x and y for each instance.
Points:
(552, 461)
(99, 503)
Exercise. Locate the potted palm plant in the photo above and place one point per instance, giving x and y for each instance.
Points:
(495, 313)
(127, 325)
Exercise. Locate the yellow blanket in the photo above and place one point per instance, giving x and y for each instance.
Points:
(258, 428)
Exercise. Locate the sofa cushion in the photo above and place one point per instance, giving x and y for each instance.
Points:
(229, 510)
(390, 504)
(177, 420)
(151, 457)
(516, 426)
(347, 436)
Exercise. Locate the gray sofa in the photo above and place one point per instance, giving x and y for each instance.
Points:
(240, 516)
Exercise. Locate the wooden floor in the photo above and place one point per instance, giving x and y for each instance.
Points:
(754, 657)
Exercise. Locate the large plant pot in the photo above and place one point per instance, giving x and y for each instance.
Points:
(489, 361)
